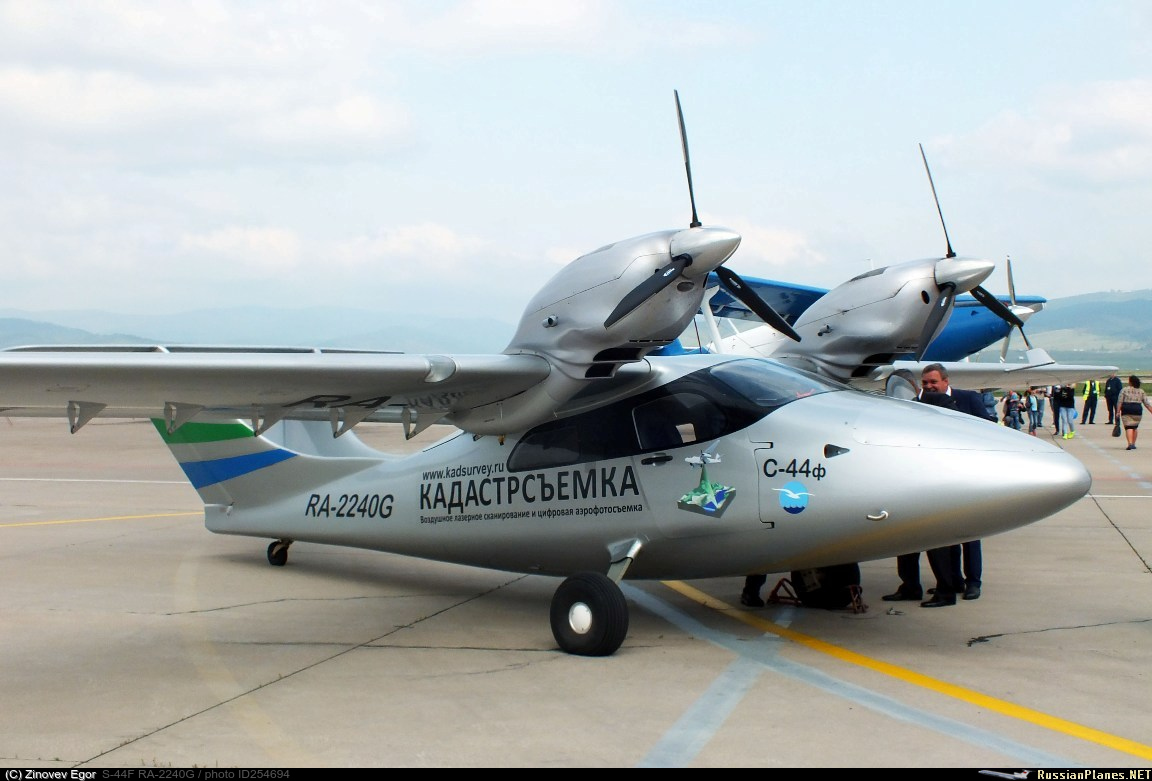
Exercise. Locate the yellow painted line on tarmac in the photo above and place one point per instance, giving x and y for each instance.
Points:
(96, 520)
(917, 679)
(238, 706)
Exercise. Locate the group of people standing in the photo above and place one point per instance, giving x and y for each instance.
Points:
(1030, 406)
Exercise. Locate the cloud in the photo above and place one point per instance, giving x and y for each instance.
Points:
(173, 39)
(425, 250)
(212, 83)
(516, 27)
(1095, 135)
(142, 84)
(772, 249)
(125, 118)
(485, 24)
(256, 249)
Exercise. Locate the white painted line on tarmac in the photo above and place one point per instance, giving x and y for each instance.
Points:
(700, 723)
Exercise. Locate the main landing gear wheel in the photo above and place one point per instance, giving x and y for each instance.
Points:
(278, 553)
(589, 615)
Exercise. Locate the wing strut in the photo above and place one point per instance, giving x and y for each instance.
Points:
(344, 418)
(177, 414)
(265, 421)
(80, 412)
(414, 421)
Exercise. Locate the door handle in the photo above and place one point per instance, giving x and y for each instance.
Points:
(660, 458)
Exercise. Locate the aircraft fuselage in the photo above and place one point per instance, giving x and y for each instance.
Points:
(715, 466)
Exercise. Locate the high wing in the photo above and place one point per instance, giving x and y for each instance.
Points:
(605, 309)
(1039, 369)
(265, 385)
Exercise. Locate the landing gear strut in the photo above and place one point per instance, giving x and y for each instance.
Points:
(278, 553)
(589, 615)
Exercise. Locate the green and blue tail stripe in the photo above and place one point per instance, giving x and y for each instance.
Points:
(211, 453)
(230, 466)
(205, 473)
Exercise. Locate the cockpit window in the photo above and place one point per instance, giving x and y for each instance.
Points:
(698, 407)
(768, 384)
(677, 420)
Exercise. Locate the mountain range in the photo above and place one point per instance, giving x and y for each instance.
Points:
(1108, 328)
(260, 326)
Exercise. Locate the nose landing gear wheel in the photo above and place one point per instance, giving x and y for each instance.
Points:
(589, 615)
(278, 553)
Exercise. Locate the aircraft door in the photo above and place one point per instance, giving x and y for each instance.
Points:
(783, 487)
(690, 478)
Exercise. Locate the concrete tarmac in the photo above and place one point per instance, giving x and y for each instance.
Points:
(133, 638)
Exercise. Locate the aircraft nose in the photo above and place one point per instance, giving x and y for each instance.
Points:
(708, 247)
(1007, 490)
(964, 273)
(971, 476)
(1040, 482)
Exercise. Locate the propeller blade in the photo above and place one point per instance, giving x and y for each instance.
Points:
(1024, 336)
(747, 296)
(947, 241)
(687, 163)
(1011, 282)
(648, 288)
(1004, 347)
(1012, 298)
(996, 307)
(939, 311)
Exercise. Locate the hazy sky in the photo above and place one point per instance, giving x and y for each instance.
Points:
(179, 155)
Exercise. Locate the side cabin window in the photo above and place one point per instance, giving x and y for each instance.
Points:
(698, 407)
(677, 420)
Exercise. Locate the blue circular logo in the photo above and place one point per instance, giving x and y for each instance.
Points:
(793, 497)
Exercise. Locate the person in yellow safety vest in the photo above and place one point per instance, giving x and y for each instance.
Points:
(1091, 394)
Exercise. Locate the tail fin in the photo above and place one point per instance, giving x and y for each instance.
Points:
(228, 464)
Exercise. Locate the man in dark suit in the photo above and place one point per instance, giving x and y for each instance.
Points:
(946, 561)
(1112, 390)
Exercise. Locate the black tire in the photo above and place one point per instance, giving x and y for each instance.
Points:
(278, 553)
(589, 615)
